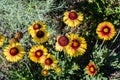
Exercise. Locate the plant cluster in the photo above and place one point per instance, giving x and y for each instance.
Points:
(59, 40)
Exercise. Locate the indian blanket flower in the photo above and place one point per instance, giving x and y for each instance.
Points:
(37, 53)
(44, 72)
(2, 40)
(40, 36)
(105, 30)
(91, 69)
(35, 26)
(14, 52)
(77, 45)
(72, 18)
(62, 42)
(49, 62)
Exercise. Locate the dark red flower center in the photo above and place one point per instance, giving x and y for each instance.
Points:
(14, 51)
(38, 53)
(73, 15)
(92, 69)
(36, 26)
(106, 30)
(63, 40)
(48, 61)
(40, 34)
(75, 44)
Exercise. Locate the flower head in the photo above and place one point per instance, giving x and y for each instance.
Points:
(91, 68)
(14, 52)
(62, 42)
(49, 62)
(44, 72)
(40, 36)
(77, 45)
(2, 40)
(105, 30)
(35, 26)
(37, 53)
(72, 18)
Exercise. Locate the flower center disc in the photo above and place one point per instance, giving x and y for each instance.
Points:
(75, 44)
(14, 51)
(73, 15)
(36, 26)
(44, 72)
(40, 34)
(38, 53)
(106, 30)
(63, 40)
(48, 61)
(92, 69)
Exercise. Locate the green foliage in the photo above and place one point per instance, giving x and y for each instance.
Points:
(98, 77)
(18, 15)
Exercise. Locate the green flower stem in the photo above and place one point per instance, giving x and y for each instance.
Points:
(3, 60)
(101, 45)
(116, 37)
(27, 68)
(17, 74)
(114, 50)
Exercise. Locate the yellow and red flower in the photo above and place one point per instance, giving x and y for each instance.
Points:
(40, 36)
(105, 30)
(62, 42)
(2, 40)
(37, 53)
(72, 18)
(14, 52)
(49, 62)
(35, 26)
(44, 72)
(77, 45)
(91, 69)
